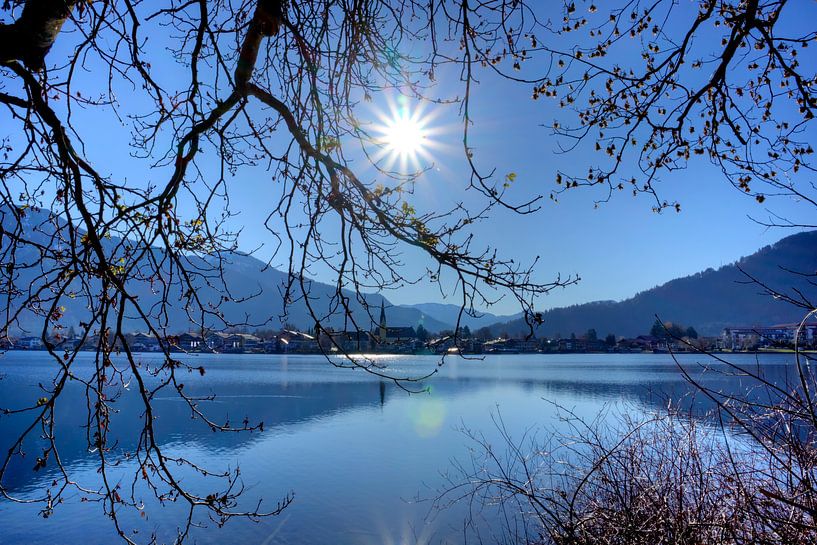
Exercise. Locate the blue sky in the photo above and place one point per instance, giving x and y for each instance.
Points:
(618, 249)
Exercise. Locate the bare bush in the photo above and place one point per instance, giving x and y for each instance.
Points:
(622, 479)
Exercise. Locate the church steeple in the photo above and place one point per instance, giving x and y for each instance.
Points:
(383, 329)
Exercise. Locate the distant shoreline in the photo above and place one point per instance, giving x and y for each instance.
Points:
(451, 353)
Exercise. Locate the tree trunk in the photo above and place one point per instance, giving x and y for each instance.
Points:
(31, 36)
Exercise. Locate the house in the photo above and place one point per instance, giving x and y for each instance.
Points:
(572, 345)
(499, 346)
(29, 343)
(511, 346)
(241, 342)
(642, 343)
(144, 342)
(188, 341)
(291, 341)
(400, 334)
(216, 341)
(352, 341)
(751, 337)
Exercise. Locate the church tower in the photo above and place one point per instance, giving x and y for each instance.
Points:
(383, 330)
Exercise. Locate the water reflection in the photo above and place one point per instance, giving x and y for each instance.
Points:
(353, 447)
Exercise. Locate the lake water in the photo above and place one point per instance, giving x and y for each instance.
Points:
(359, 454)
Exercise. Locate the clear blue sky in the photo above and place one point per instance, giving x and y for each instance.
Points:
(618, 249)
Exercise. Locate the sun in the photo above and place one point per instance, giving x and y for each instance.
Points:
(405, 136)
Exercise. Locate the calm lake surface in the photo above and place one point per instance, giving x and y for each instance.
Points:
(359, 454)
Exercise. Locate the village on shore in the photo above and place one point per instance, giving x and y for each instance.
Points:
(666, 337)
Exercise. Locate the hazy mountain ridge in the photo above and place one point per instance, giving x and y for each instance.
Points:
(246, 276)
(709, 300)
(448, 313)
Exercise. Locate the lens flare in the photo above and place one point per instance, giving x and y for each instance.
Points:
(429, 417)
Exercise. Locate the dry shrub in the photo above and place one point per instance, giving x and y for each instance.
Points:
(666, 478)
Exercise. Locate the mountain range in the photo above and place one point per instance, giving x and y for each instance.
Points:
(256, 293)
(709, 300)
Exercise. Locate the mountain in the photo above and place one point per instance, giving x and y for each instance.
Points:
(255, 277)
(256, 291)
(448, 313)
(709, 300)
